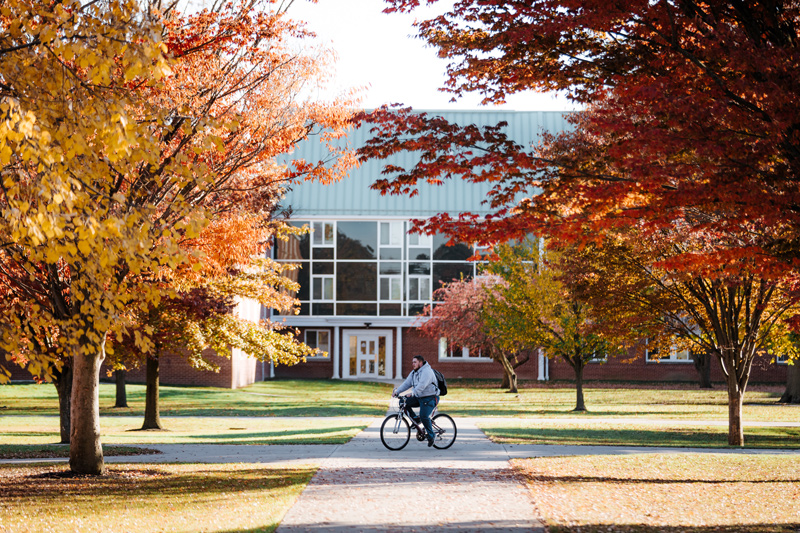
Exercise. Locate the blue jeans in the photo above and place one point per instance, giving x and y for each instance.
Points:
(426, 406)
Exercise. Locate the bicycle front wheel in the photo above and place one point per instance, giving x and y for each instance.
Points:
(395, 432)
(445, 430)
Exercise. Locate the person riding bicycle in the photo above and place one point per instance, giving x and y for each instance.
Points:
(424, 394)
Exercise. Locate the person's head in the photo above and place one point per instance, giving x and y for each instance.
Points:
(417, 362)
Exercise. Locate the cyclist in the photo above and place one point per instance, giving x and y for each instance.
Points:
(424, 393)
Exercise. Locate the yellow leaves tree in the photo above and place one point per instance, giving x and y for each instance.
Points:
(123, 133)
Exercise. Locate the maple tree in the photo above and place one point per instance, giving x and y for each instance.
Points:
(532, 308)
(689, 127)
(461, 316)
(125, 131)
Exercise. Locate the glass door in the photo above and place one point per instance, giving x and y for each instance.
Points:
(367, 356)
(370, 353)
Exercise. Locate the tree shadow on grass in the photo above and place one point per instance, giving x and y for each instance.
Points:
(689, 437)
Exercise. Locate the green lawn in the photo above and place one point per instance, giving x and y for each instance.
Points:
(692, 493)
(21, 430)
(267, 398)
(138, 498)
(604, 400)
(522, 432)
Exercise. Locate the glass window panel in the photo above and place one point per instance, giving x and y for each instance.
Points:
(327, 288)
(419, 268)
(328, 233)
(357, 240)
(381, 356)
(447, 272)
(322, 267)
(391, 310)
(371, 347)
(323, 253)
(311, 338)
(357, 309)
(419, 254)
(304, 279)
(397, 289)
(384, 288)
(305, 309)
(323, 341)
(413, 289)
(318, 233)
(322, 309)
(391, 268)
(357, 281)
(457, 252)
(413, 239)
(317, 292)
(385, 234)
(294, 248)
(353, 355)
(424, 289)
(363, 347)
(397, 234)
(416, 309)
(392, 253)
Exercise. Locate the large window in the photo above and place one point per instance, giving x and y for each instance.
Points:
(653, 355)
(319, 339)
(370, 268)
(458, 353)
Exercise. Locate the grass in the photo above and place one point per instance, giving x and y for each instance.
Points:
(521, 432)
(138, 498)
(615, 400)
(469, 398)
(264, 399)
(666, 493)
(21, 430)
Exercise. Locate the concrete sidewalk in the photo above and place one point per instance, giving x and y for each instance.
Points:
(362, 486)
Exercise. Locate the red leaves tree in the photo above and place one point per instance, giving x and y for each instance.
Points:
(689, 136)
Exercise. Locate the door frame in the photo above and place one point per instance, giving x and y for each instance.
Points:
(345, 351)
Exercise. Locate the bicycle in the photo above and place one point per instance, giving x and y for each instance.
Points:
(396, 429)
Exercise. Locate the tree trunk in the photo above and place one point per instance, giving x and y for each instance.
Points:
(579, 403)
(792, 392)
(63, 383)
(702, 363)
(510, 377)
(122, 396)
(152, 417)
(735, 397)
(85, 451)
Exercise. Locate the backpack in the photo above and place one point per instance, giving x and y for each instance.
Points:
(440, 382)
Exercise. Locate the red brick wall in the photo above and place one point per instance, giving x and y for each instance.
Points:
(175, 370)
(640, 369)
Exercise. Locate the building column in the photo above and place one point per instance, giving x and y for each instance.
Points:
(544, 367)
(336, 351)
(399, 355)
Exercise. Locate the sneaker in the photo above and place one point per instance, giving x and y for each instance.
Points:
(430, 443)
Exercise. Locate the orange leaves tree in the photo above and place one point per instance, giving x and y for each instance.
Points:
(688, 135)
(124, 133)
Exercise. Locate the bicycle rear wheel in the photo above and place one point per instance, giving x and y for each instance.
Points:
(395, 432)
(445, 430)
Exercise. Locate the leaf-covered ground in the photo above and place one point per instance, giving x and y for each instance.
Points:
(139, 498)
(686, 493)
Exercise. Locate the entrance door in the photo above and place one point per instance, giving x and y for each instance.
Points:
(369, 355)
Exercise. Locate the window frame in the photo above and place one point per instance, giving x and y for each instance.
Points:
(319, 351)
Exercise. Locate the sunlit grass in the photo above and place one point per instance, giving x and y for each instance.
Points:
(268, 398)
(522, 432)
(140, 498)
(674, 493)
(191, 430)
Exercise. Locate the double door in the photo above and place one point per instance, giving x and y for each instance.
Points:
(370, 355)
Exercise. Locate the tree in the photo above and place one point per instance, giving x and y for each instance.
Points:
(111, 160)
(461, 316)
(729, 311)
(534, 309)
(689, 128)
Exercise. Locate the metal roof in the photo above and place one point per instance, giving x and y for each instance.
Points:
(352, 197)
